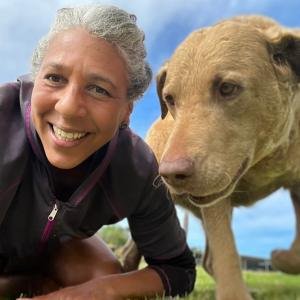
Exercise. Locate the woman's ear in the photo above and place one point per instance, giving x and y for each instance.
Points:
(126, 118)
(286, 52)
(160, 82)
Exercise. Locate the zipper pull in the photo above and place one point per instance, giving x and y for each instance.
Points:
(53, 213)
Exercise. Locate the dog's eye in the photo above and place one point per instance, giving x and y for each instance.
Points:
(169, 100)
(228, 89)
(279, 58)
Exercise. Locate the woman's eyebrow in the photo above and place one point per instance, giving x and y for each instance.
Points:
(91, 76)
(55, 66)
(96, 77)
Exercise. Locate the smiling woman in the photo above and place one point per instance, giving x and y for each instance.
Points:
(79, 98)
(70, 164)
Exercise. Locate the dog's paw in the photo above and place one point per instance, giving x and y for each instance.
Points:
(287, 261)
(242, 296)
(233, 292)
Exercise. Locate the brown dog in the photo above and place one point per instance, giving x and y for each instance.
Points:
(230, 133)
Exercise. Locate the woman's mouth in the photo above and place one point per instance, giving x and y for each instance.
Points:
(67, 136)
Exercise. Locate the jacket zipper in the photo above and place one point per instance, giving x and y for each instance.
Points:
(48, 228)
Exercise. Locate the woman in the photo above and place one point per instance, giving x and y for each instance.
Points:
(70, 164)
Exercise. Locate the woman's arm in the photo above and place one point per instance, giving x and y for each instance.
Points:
(171, 277)
(141, 283)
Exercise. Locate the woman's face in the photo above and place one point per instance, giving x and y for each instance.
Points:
(79, 97)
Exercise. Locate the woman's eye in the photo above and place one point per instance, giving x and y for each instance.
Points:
(98, 90)
(55, 78)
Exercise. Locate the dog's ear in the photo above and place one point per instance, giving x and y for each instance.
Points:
(286, 52)
(160, 82)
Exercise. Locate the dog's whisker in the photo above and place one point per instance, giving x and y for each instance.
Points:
(235, 191)
(157, 182)
(229, 178)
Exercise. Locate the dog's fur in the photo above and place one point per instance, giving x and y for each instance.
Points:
(230, 132)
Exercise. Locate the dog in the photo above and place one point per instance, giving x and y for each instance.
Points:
(229, 133)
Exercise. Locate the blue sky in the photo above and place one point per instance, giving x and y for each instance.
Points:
(268, 224)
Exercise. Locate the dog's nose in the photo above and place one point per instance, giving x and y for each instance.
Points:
(176, 170)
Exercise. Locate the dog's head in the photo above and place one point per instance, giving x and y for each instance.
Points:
(231, 91)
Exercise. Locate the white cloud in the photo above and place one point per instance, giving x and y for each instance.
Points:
(272, 213)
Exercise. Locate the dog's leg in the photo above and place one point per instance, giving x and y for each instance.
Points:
(288, 261)
(130, 256)
(223, 255)
(207, 258)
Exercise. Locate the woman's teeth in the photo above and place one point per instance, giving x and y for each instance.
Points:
(67, 136)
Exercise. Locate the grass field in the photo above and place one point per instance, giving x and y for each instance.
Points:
(263, 286)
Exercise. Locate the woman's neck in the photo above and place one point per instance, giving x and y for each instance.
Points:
(66, 181)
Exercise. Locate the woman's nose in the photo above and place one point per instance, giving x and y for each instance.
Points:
(70, 102)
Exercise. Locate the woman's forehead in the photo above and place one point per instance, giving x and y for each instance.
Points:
(77, 49)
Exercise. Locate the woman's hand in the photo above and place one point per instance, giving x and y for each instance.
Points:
(96, 289)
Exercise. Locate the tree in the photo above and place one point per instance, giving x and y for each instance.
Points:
(114, 235)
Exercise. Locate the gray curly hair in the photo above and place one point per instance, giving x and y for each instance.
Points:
(115, 26)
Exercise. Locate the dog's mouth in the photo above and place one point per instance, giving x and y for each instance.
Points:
(202, 201)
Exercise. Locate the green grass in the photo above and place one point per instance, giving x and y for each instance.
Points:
(263, 286)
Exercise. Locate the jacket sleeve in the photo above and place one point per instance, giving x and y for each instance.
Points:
(13, 144)
(154, 225)
(159, 237)
(151, 214)
(178, 274)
